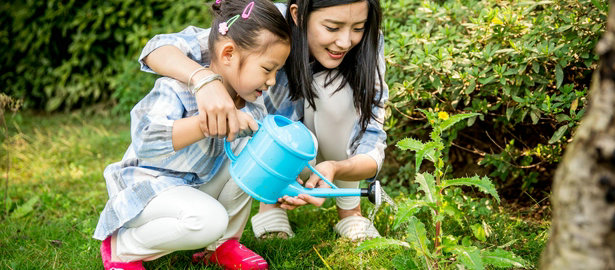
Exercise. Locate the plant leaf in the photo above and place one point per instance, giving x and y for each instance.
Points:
(25, 208)
(502, 258)
(483, 184)
(405, 211)
(428, 149)
(509, 112)
(535, 115)
(470, 257)
(455, 119)
(417, 236)
(427, 184)
(410, 144)
(559, 76)
(380, 243)
(404, 262)
(558, 134)
(479, 232)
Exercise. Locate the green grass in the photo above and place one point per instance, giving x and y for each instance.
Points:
(57, 163)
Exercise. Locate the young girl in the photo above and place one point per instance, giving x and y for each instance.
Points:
(333, 81)
(172, 190)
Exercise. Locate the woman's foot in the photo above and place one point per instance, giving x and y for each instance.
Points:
(343, 213)
(232, 255)
(109, 263)
(271, 222)
(354, 226)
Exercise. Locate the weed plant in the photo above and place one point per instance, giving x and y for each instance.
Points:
(441, 203)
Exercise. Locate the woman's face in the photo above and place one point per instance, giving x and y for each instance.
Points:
(333, 31)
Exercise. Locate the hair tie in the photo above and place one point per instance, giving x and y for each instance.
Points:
(246, 12)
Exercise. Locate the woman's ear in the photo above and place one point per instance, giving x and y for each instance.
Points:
(294, 11)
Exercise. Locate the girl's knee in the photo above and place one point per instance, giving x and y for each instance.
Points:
(205, 222)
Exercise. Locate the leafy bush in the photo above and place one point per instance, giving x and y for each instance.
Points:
(524, 65)
(66, 54)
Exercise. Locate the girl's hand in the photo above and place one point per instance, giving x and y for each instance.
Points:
(217, 112)
(326, 168)
(247, 125)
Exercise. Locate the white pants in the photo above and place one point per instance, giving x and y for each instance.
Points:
(332, 123)
(186, 218)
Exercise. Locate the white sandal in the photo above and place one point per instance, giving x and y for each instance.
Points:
(356, 228)
(271, 221)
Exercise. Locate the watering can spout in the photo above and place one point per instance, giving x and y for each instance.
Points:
(373, 192)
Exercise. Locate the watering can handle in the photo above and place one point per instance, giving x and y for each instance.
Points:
(227, 145)
(229, 152)
(321, 176)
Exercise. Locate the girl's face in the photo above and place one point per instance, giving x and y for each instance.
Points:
(333, 31)
(258, 70)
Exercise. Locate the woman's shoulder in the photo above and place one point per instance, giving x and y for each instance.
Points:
(282, 8)
(168, 83)
(199, 32)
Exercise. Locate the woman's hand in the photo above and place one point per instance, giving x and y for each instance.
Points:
(326, 168)
(290, 203)
(217, 111)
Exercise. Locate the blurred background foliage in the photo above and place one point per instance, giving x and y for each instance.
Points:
(526, 66)
(62, 55)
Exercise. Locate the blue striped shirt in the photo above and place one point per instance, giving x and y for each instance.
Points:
(151, 165)
(192, 41)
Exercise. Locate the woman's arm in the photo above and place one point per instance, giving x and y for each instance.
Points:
(169, 55)
(356, 168)
(373, 141)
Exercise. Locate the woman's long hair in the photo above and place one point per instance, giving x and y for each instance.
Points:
(357, 68)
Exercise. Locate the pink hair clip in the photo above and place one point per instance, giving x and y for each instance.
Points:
(246, 12)
(224, 26)
(218, 1)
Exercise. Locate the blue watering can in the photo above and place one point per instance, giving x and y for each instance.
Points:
(268, 166)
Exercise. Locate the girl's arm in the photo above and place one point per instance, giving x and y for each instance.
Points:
(178, 56)
(186, 131)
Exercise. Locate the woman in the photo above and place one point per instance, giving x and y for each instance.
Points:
(336, 57)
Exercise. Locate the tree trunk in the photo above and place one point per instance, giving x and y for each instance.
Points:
(583, 199)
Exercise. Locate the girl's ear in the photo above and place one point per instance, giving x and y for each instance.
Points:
(294, 10)
(226, 52)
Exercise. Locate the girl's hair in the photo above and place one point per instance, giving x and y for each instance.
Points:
(244, 31)
(357, 68)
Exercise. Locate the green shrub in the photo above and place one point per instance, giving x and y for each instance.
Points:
(524, 65)
(67, 54)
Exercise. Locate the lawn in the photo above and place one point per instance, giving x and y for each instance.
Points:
(56, 191)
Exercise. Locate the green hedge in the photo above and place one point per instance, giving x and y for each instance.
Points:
(69, 54)
(525, 66)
